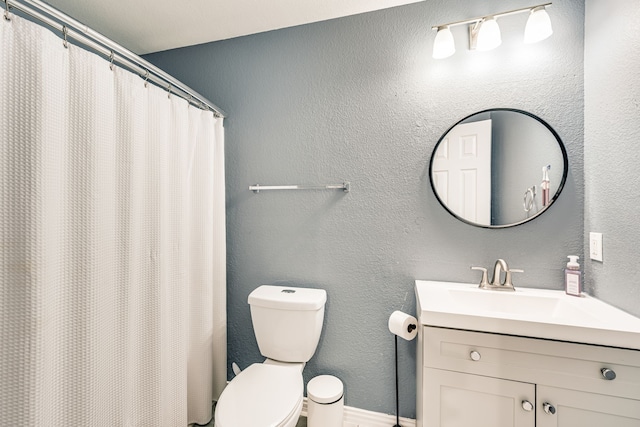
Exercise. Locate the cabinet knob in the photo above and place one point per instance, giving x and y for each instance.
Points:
(527, 406)
(548, 408)
(608, 374)
(475, 356)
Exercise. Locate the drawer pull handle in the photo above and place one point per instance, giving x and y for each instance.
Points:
(608, 374)
(475, 356)
(548, 408)
(527, 406)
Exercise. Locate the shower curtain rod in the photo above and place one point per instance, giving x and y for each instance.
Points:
(110, 49)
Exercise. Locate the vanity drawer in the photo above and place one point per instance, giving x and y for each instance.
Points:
(538, 361)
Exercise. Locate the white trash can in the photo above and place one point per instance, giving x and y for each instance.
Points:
(325, 402)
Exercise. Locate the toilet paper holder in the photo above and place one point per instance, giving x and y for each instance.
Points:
(404, 326)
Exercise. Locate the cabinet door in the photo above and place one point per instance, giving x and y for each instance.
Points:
(454, 399)
(580, 409)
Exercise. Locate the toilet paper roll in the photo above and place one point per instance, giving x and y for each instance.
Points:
(403, 325)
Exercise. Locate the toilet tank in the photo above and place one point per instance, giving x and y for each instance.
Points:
(287, 321)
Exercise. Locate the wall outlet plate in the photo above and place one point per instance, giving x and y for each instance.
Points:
(595, 246)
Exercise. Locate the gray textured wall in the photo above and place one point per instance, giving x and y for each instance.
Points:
(612, 159)
(360, 99)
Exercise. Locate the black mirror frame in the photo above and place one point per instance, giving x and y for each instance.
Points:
(551, 201)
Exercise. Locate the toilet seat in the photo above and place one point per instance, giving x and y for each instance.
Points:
(261, 395)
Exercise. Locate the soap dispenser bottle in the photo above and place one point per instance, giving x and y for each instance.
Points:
(573, 277)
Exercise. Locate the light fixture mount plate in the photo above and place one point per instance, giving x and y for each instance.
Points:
(474, 29)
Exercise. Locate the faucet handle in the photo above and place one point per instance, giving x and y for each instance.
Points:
(485, 281)
(507, 278)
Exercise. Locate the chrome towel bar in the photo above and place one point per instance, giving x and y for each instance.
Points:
(345, 186)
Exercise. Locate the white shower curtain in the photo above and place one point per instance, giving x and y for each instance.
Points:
(112, 292)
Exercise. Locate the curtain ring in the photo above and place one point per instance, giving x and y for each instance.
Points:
(169, 91)
(65, 43)
(111, 58)
(7, 16)
(146, 78)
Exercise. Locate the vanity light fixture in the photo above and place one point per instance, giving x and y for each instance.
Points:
(538, 25)
(487, 34)
(484, 32)
(443, 45)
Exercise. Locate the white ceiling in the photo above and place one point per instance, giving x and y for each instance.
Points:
(145, 26)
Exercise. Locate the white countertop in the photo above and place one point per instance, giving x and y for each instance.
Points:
(537, 313)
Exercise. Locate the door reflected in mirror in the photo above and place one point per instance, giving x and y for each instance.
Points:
(498, 168)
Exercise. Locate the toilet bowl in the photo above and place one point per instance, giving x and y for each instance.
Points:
(264, 394)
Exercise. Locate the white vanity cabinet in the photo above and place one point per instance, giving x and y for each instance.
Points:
(479, 379)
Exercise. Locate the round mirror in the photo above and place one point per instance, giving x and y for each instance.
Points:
(498, 168)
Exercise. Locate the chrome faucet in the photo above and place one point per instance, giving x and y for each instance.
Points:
(499, 267)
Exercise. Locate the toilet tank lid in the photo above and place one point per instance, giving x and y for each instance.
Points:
(288, 298)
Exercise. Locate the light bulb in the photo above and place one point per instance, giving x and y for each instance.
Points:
(488, 34)
(538, 26)
(443, 45)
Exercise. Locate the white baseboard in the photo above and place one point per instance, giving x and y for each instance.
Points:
(355, 417)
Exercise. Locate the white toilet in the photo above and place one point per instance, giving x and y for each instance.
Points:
(287, 323)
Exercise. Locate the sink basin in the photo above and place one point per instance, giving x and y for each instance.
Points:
(538, 313)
